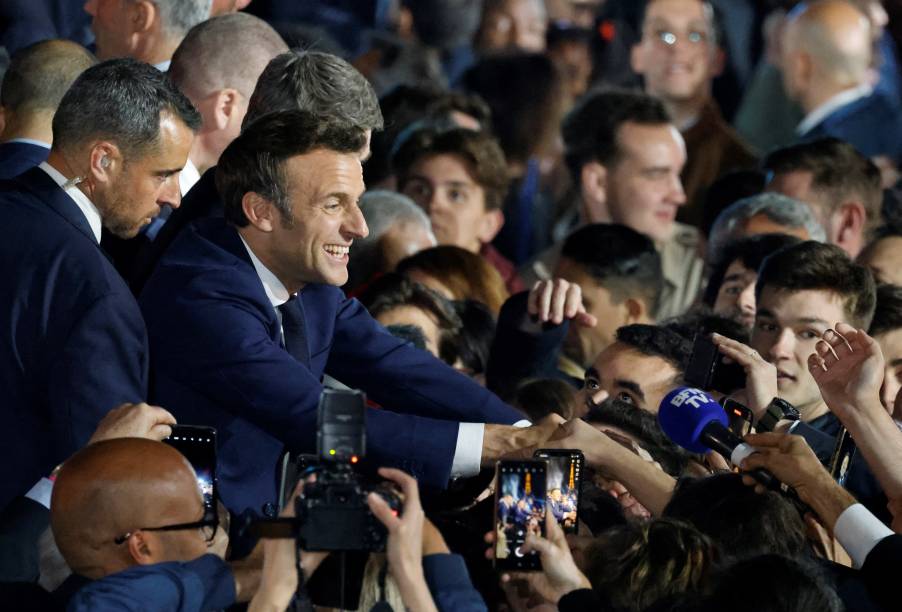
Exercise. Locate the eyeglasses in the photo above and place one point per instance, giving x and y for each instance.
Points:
(208, 526)
(695, 37)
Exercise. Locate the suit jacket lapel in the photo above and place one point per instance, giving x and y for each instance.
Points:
(49, 193)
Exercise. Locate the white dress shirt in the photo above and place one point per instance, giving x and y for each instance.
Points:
(81, 200)
(826, 109)
(468, 451)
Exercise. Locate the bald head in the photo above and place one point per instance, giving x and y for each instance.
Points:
(205, 60)
(828, 43)
(114, 487)
(35, 82)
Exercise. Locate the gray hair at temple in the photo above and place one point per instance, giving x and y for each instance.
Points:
(382, 210)
(780, 209)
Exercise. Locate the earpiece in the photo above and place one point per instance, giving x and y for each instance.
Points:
(105, 162)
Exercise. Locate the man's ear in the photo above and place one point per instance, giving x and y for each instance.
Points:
(491, 223)
(105, 162)
(142, 549)
(637, 58)
(141, 16)
(636, 311)
(226, 108)
(718, 61)
(594, 191)
(259, 211)
(850, 220)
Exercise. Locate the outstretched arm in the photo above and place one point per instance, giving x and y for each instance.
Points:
(848, 369)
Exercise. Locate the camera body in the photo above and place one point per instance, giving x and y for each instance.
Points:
(333, 513)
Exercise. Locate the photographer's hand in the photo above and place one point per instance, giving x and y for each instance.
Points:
(760, 375)
(405, 541)
(134, 421)
(559, 573)
(279, 579)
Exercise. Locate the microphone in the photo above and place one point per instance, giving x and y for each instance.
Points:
(694, 420)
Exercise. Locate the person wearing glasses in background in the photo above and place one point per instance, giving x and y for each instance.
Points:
(129, 519)
(678, 56)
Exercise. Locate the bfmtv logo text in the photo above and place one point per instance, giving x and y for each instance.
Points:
(693, 397)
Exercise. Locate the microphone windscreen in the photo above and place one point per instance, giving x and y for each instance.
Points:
(685, 412)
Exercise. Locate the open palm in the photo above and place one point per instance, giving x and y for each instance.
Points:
(848, 369)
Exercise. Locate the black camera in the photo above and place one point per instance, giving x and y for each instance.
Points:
(332, 513)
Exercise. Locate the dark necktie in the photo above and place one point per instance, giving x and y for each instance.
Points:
(294, 329)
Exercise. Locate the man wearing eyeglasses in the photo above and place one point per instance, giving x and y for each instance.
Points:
(129, 511)
(678, 57)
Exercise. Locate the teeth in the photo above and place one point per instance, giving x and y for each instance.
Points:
(334, 249)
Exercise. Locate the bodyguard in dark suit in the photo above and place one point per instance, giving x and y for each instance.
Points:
(73, 342)
(245, 315)
(33, 86)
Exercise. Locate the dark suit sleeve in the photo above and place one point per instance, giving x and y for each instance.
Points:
(406, 379)
(230, 354)
(21, 525)
(450, 585)
(206, 583)
(880, 570)
(522, 349)
(102, 364)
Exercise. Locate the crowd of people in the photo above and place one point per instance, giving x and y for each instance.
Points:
(513, 224)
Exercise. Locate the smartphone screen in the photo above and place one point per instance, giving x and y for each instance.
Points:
(519, 509)
(198, 444)
(564, 483)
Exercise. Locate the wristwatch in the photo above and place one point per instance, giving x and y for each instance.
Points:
(777, 410)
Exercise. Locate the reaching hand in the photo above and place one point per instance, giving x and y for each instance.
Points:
(556, 300)
(134, 421)
(760, 375)
(792, 461)
(848, 370)
(559, 573)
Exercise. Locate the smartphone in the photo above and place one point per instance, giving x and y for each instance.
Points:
(740, 417)
(519, 509)
(707, 370)
(564, 484)
(198, 444)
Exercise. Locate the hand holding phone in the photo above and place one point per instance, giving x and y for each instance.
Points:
(198, 444)
(520, 503)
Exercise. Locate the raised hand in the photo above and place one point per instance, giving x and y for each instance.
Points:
(557, 300)
(848, 369)
(760, 375)
(134, 421)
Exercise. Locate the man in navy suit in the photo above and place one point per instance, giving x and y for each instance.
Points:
(827, 56)
(245, 315)
(33, 86)
(73, 342)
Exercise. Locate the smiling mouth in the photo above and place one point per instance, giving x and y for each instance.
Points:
(337, 251)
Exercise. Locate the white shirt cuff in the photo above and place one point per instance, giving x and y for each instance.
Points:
(41, 492)
(859, 531)
(468, 451)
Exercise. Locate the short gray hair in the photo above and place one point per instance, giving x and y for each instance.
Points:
(319, 83)
(205, 62)
(778, 208)
(382, 211)
(179, 16)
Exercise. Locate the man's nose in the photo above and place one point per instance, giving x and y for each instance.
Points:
(172, 192)
(355, 223)
(746, 299)
(783, 346)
